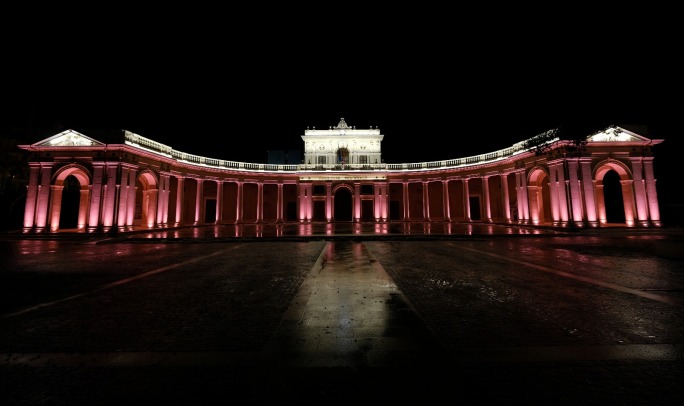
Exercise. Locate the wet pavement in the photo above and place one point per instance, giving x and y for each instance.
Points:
(476, 314)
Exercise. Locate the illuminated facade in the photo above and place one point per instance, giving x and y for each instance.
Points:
(78, 182)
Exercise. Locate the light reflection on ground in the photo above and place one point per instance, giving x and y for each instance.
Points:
(342, 229)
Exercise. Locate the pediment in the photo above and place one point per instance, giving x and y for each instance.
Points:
(68, 138)
(616, 134)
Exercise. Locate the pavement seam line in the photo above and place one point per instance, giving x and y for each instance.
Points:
(114, 284)
(609, 285)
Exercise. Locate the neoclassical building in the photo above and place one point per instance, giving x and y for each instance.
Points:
(79, 182)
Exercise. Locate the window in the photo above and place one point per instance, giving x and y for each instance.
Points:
(321, 160)
(363, 159)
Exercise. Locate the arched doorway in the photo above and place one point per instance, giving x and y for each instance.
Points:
(343, 204)
(146, 195)
(71, 196)
(539, 197)
(612, 193)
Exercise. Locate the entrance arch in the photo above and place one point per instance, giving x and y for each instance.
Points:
(539, 196)
(614, 195)
(343, 203)
(76, 180)
(146, 193)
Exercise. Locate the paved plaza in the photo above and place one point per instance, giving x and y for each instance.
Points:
(341, 314)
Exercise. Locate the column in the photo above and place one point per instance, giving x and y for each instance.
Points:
(180, 196)
(651, 192)
(279, 209)
(109, 206)
(238, 205)
(553, 191)
(575, 192)
(628, 201)
(260, 202)
(405, 197)
(123, 197)
(639, 192)
(357, 202)
(199, 198)
(96, 196)
(426, 201)
(445, 194)
(132, 188)
(328, 201)
(466, 200)
(219, 201)
(506, 197)
(55, 206)
(31, 195)
(43, 205)
(487, 200)
(83, 206)
(589, 195)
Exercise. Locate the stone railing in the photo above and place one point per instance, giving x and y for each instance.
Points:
(139, 141)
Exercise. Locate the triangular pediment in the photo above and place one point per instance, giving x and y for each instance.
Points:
(616, 134)
(68, 138)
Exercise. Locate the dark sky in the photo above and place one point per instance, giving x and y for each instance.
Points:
(440, 91)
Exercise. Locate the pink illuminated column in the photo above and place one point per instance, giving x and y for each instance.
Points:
(575, 192)
(130, 208)
(123, 196)
(163, 199)
(199, 198)
(43, 205)
(651, 192)
(219, 202)
(83, 206)
(559, 206)
(466, 200)
(180, 197)
(426, 201)
(487, 199)
(589, 195)
(445, 195)
(238, 203)
(535, 200)
(628, 201)
(260, 202)
(357, 202)
(149, 207)
(31, 195)
(109, 212)
(96, 193)
(600, 203)
(328, 201)
(279, 207)
(523, 201)
(553, 190)
(506, 197)
(305, 209)
(640, 192)
(380, 191)
(55, 206)
(405, 197)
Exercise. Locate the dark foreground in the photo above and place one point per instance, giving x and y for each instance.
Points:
(511, 318)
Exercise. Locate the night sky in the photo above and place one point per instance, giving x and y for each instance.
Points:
(441, 92)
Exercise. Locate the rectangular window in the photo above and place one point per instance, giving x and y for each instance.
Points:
(366, 189)
(321, 160)
(363, 159)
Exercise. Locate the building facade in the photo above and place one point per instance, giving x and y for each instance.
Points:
(77, 182)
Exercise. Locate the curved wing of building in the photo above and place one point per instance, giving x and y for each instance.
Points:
(78, 182)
